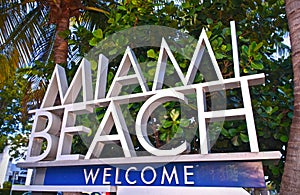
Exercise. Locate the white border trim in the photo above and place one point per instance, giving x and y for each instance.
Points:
(58, 188)
(238, 156)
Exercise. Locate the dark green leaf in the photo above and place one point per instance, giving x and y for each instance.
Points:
(244, 138)
(224, 132)
(284, 138)
(232, 132)
(167, 124)
(257, 66)
(209, 21)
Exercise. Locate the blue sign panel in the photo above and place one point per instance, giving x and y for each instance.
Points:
(217, 174)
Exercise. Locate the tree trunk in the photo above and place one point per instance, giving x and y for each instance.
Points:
(60, 13)
(290, 183)
(61, 44)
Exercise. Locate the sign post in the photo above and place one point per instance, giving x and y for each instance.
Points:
(58, 169)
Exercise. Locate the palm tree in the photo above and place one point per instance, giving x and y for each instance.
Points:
(30, 29)
(291, 177)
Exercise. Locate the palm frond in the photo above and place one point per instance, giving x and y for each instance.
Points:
(23, 27)
(93, 16)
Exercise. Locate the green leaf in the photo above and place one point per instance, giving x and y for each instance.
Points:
(94, 65)
(98, 33)
(110, 76)
(258, 46)
(252, 46)
(245, 49)
(71, 42)
(93, 41)
(118, 17)
(260, 133)
(151, 72)
(208, 33)
(257, 66)
(151, 53)
(179, 131)
(258, 57)
(174, 128)
(209, 21)
(223, 47)
(163, 136)
(184, 122)
(284, 138)
(269, 110)
(232, 132)
(111, 21)
(123, 8)
(244, 138)
(275, 171)
(220, 41)
(199, 78)
(151, 63)
(220, 56)
(224, 132)
(290, 115)
(167, 124)
(183, 65)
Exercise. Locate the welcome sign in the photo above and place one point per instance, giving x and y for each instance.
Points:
(55, 124)
(193, 174)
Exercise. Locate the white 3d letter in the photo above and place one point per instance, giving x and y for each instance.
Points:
(68, 130)
(45, 127)
(67, 95)
(112, 116)
(122, 78)
(142, 118)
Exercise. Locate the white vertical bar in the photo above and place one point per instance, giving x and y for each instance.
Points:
(201, 119)
(101, 77)
(28, 177)
(235, 53)
(249, 116)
